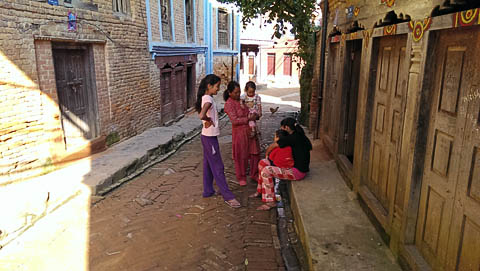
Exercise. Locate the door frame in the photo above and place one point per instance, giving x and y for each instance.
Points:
(90, 85)
(342, 160)
(383, 217)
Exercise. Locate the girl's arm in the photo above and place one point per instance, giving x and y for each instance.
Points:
(259, 107)
(270, 149)
(234, 117)
(203, 115)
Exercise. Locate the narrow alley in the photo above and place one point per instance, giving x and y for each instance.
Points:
(159, 220)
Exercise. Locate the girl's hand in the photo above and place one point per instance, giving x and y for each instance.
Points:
(252, 116)
(208, 122)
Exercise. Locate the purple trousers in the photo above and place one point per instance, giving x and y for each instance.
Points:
(213, 168)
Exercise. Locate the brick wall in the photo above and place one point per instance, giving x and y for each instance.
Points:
(222, 66)
(31, 135)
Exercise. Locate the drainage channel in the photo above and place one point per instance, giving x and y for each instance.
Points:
(292, 251)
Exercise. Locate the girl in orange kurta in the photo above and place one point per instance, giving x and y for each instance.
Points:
(244, 148)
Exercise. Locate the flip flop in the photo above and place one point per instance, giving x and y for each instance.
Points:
(265, 207)
(233, 203)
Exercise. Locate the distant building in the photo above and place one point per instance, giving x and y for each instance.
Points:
(266, 60)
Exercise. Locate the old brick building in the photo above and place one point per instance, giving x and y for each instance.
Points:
(399, 109)
(76, 74)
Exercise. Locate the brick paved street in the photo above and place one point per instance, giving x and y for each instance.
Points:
(159, 220)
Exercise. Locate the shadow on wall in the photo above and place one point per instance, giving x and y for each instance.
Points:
(45, 220)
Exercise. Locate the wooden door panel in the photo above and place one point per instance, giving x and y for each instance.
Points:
(330, 91)
(387, 121)
(464, 242)
(73, 95)
(166, 91)
(180, 91)
(448, 219)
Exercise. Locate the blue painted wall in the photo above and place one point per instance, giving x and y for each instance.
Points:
(170, 48)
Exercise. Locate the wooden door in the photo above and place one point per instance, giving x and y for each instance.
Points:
(251, 65)
(387, 121)
(330, 92)
(190, 87)
(448, 227)
(166, 91)
(350, 93)
(180, 91)
(74, 96)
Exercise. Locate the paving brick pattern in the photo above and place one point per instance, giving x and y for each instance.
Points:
(159, 220)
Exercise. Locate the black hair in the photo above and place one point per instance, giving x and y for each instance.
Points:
(293, 125)
(230, 88)
(210, 79)
(250, 84)
(281, 133)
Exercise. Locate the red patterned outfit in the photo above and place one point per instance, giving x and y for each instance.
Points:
(244, 148)
(301, 147)
(281, 167)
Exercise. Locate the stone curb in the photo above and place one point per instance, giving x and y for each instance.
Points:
(130, 170)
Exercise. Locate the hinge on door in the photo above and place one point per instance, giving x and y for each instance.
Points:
(345, 136)
(352, 55)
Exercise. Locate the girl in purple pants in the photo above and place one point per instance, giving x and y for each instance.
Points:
(213, 167)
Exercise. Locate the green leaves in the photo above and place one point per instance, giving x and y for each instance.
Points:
(300, 14)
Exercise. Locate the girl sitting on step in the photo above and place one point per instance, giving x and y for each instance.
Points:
(301, 147)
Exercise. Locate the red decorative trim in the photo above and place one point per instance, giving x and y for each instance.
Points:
(389, 3)
(336, 38)
(366, 36)
(419, 27)
(390, 30)
(466, 18)
(356, 11)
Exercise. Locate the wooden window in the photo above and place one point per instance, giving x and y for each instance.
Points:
(189, 20)
(121, 6)
(287, 64)
(223, 35)
(166, 19)
(271, 64)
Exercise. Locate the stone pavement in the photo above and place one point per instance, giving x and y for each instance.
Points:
(334, 230)
(159, 220)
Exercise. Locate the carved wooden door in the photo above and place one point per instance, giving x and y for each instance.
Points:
(387, 122)
(166, 91)
(180, 91)
(330, 92)
(74, 96)
(448, 227)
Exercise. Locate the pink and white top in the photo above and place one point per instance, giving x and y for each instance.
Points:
(212, 113)
(253, 102)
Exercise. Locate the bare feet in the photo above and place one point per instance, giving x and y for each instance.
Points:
(254, 195)
(267, 206)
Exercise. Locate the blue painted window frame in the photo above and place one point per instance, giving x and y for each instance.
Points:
(194, 20)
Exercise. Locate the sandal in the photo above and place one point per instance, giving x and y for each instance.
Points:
(265, 207)
(233, 203)
(255, 195)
